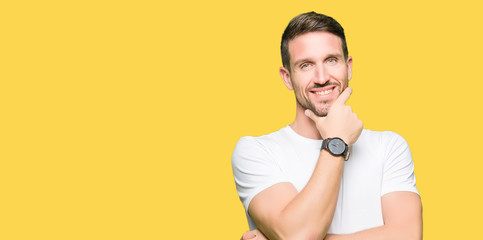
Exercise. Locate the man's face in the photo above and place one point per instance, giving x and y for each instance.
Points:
(319, 71)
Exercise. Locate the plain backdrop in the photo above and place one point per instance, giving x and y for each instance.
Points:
(119, 118)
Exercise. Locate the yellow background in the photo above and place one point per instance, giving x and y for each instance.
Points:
(119, 118)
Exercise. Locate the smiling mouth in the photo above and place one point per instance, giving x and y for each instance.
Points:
(324, 92)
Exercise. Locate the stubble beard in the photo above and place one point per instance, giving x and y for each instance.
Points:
(322, 111)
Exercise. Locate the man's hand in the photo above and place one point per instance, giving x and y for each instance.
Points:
(340, 121)
(253, 235)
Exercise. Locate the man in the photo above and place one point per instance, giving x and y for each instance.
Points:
(323, 176)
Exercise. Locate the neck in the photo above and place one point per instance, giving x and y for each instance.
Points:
(304, 126)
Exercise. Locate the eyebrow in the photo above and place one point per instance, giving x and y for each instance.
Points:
(336, 55)
(296, 63)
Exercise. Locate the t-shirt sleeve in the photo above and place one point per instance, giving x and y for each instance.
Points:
(254, 169)
(398, 170)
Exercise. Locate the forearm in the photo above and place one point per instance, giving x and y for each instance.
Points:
(378, 233)
(402, 215)
(309, 214)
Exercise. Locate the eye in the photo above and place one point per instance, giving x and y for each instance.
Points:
(331, 60)
(305, 65)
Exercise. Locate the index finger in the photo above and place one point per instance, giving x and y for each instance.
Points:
(344, 96)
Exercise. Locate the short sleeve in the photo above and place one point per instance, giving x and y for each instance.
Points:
(254, 169)
(398, 169)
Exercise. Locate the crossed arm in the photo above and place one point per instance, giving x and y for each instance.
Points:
(281, 212)
(402, 214)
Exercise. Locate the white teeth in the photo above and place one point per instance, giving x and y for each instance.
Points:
(324, 92)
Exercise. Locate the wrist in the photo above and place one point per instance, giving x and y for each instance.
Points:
(336, 146)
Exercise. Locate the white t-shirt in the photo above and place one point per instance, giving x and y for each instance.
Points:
(380, 162)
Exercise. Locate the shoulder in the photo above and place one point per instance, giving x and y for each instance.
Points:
(261, 142)
(260, 146)
(381, 142)
(381, 137)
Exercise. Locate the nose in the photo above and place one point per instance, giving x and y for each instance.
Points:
(321, 74)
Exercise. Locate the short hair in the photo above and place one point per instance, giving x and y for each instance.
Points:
(310, 22)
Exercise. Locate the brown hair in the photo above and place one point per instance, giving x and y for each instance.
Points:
(310, 22)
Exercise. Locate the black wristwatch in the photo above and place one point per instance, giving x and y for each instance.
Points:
(336, 147)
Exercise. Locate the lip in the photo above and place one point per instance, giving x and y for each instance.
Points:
(323, 89)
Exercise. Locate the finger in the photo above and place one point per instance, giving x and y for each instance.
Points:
(344, 96)
(249, 235)
(310, 114)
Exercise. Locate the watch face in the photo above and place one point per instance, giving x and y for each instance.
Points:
(336, 146)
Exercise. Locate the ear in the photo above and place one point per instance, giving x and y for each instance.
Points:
(349, 68)
(285, 74)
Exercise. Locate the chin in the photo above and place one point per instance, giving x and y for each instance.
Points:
(321, 114)
(323, 110)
